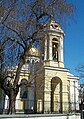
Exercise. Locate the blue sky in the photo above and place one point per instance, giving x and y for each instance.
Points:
(74, 40)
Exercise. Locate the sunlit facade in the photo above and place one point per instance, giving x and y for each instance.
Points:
(51, 87)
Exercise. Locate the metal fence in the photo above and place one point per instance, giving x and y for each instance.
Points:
(29, 106)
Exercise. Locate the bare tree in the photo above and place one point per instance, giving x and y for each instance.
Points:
(21, 26)
(80, 70)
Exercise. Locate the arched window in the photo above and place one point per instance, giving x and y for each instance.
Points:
(33, 61)
(28, 61)
(23, 89)
(37, 61)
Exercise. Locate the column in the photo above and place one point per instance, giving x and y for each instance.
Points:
(76, 94)
(45, 50)
(72, 95)
(65, 101)
(50, 49)
(61, 49)
(59, 98)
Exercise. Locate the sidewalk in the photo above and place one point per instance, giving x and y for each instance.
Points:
(41, 116)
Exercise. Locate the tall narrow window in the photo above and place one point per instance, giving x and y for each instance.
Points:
(55, 51)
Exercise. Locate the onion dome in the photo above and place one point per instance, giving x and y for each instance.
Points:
(33, 52)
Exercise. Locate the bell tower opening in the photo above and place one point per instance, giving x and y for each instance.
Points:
(55, 52)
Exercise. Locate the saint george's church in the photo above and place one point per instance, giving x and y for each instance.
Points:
(52, 87)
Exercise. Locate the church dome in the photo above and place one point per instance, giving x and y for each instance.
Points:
(33, 51)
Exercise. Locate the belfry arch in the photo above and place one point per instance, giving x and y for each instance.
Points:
(56, 94)
(55, 49)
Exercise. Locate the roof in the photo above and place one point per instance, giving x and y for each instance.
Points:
(52, 25)
(71, 76)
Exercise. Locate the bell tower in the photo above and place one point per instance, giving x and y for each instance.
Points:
(53, 47)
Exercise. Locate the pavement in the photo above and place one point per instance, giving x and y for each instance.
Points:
(41, 116)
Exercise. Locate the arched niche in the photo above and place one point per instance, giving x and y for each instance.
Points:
(56, 94)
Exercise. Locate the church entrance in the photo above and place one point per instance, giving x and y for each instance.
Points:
(56, 95)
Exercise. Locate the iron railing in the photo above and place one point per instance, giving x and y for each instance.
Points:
(28, 106)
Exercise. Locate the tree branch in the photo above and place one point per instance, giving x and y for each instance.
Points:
(9, 11)
(19, 35)
(14, 40)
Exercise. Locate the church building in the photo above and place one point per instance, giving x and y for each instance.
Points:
(53, 89)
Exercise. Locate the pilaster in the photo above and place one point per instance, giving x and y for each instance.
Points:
(65, 101)
(47, 96)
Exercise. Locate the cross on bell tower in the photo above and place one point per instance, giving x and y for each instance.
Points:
(53, 48)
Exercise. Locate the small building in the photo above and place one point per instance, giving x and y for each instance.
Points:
(52, 88)
(81, 96)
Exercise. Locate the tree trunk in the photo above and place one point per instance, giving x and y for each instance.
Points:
(12, 99)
